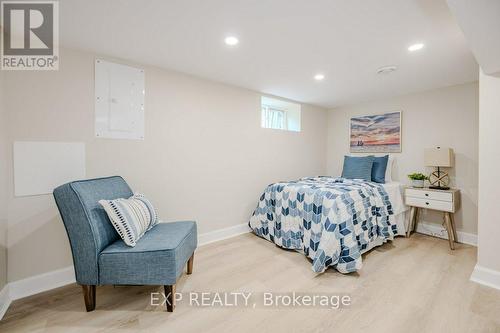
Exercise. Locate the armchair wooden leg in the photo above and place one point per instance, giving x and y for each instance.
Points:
(190, 265)
(89, 297)
(170, 295)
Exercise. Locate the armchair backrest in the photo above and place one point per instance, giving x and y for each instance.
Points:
(88, 227)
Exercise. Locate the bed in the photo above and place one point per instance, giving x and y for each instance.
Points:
(333, 221)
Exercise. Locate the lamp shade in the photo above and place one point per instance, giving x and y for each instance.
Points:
(438, 157)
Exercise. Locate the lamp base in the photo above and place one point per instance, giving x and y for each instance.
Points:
(439, 180)
(439, 187)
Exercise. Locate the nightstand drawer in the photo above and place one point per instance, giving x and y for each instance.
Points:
(431, 195)
(446, 206)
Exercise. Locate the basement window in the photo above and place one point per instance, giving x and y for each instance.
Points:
(280, 114)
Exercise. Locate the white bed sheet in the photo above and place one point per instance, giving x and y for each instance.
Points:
(395, 192)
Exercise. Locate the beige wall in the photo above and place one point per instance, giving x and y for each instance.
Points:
(489, 182)
(445, 117)
(3, 189)
(205, 156)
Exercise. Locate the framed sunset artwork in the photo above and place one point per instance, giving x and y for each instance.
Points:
(376, 133)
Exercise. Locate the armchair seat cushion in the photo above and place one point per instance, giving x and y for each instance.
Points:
(158, 258)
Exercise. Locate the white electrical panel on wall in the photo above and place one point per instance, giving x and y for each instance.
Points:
(39, 167)
(119, 101)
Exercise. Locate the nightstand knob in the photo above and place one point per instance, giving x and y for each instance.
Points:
(426, 194)
(426, 203)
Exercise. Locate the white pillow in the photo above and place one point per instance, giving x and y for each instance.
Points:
(388, 170)
(154, 216)
(131, 217)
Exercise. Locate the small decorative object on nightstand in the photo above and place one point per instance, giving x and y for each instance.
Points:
(446, 201)
(418, 179)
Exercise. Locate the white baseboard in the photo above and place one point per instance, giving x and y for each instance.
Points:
(217, 235)
(4, 300)
(61, 277)
(34, 285)
(439, 231)
(40, 283)
(486, 276)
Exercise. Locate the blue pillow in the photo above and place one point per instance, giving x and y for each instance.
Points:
(378, 169)
(358, 167)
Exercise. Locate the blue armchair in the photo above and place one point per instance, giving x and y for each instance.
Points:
(101, 258)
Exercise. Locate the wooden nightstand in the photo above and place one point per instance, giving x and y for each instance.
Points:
(446, 201)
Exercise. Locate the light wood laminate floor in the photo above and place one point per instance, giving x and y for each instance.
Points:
(408, 285)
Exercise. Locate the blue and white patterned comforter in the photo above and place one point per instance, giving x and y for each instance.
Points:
(331, 220)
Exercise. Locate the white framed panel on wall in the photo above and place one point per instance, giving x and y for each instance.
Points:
(39, 167)
(119, 101)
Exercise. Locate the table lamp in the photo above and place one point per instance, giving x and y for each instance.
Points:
(439, 157)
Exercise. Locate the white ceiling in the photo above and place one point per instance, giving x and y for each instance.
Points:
(479, 20)
(283, 43)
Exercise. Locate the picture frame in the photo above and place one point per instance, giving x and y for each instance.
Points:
(377, 133)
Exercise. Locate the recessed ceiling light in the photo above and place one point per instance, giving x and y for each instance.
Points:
(319, 77)
(415, 47)
(231, 41)
(386, 69)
